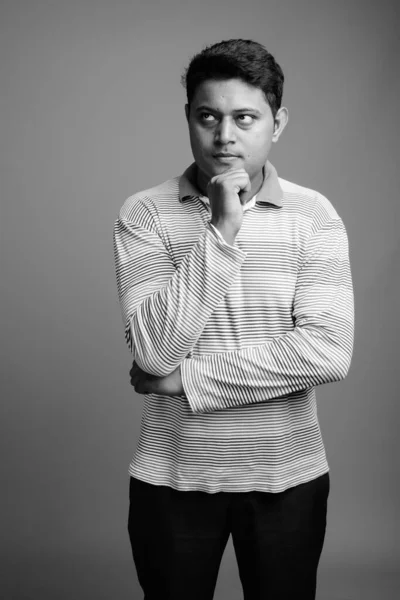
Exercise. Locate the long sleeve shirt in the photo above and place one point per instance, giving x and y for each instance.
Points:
(255, 327)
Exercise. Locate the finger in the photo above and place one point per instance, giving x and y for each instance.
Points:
(135, 367)
(243, 189)
(135, 376)
(143, 386)
(239, 181)
(139, 387)
(135, 379)
(229, 175)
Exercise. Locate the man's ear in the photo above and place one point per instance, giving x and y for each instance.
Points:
(187, 111)
(281, 120)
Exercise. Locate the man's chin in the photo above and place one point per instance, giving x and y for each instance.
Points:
(206, 171)
(218, 166)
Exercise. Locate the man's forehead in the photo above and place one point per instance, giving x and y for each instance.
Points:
(232, 91)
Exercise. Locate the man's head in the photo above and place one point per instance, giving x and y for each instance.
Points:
(234, 94)
(237, 59)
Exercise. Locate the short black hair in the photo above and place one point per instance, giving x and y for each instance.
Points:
(237, 59)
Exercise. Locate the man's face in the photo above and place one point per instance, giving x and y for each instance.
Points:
(231, 126)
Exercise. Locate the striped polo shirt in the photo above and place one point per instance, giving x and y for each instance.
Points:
(254, 326)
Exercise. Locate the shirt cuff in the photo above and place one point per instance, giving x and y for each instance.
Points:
(219, 235)
(189, 385)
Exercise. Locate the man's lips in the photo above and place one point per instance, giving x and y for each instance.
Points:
(225, 155)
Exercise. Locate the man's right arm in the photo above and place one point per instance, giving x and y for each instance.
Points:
(165, 308)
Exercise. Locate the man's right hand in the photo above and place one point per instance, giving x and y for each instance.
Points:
(226, 205)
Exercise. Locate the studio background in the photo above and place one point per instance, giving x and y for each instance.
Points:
(92, 110)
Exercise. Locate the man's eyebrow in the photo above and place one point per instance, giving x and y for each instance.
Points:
(248, 110)
(205, 108)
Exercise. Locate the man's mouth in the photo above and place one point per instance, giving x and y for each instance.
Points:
(225, 155)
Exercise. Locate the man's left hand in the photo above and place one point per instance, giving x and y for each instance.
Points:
(170, 385)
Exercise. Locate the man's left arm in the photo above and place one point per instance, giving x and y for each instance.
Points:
(318, 350)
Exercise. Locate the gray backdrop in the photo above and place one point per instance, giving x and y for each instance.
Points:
(92, 111)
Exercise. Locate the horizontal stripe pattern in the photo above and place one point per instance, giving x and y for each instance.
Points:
(255, 327)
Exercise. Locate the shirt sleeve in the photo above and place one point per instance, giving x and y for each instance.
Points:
(318, 350)
(166, 307)
(218, 233)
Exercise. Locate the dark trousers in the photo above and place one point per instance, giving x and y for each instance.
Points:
(178, 539)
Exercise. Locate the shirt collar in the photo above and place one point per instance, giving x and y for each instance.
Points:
(269, 193)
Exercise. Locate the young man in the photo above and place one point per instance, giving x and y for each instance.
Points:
(237, 299)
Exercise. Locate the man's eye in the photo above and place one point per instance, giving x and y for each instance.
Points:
(207, 117)
(245, 119)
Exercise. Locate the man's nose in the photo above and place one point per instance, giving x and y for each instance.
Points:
(225, 132)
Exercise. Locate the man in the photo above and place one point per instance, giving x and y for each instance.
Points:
(237, 299)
